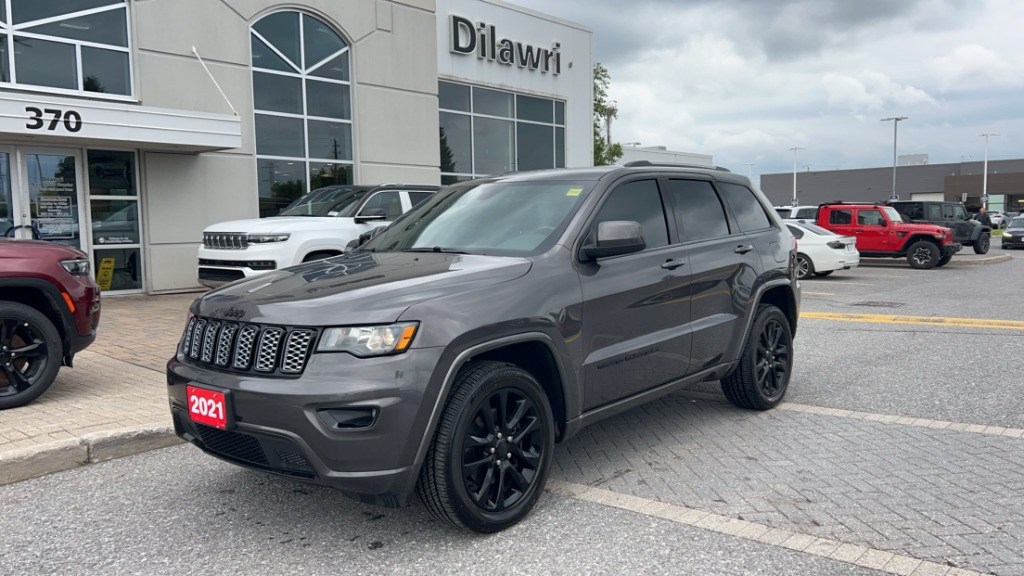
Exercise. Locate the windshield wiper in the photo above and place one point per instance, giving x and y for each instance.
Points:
(438, 249)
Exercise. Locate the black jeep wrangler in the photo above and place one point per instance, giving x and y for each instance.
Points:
(952, 215)
(451, 351)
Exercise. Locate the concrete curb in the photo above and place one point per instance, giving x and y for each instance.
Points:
(902, 263)
(18, 465)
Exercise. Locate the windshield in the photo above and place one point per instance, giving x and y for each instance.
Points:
(498, 218)
(893, 215)
(331, 202)
(1016, 223)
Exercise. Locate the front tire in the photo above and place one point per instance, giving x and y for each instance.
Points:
(923, 255)
(983, 243)
(30, 353)
(804, 266)
(490, 457)
(761, 378)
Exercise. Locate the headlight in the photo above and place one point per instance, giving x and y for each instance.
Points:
(368, 340)
(77, 266)
(265, 238)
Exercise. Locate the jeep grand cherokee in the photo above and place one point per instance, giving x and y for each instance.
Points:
(451, 351)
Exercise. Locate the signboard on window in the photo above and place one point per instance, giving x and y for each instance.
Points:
(56, 217)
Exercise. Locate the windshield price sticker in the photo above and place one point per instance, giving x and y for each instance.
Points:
(52, 118)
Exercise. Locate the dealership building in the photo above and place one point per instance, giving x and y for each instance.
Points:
(127, 126)
(958, 182)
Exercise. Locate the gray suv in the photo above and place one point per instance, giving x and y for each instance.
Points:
(449, 353)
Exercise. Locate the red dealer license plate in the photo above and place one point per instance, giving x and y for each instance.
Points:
(207, 407)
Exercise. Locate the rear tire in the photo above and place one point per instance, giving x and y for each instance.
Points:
(490, 457)
(31, 352)
(761, 378)
(923, 255)
(825, 273)
(983, 243)
(804, 266)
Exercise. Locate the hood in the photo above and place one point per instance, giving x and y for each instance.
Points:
(11, 248)
(356, 288)
(276, 224)
(925, 228)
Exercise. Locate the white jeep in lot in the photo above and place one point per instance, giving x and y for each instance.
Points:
(318, 225)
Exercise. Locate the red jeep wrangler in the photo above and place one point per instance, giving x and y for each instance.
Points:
(49, 309)
(881, 233)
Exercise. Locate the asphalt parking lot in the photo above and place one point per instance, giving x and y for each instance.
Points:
(899, 450)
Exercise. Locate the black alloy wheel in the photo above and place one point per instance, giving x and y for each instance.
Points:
(490, 457)
(30, 352)
(761, 377)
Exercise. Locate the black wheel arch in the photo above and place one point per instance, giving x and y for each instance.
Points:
(46, 298)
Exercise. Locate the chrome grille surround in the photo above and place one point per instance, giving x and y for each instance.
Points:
(266, 356)
(226, 240)
(296, 350)
(241, 347)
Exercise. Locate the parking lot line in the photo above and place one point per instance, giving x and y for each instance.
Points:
(809, 293)
(916, 320)
(861, 556)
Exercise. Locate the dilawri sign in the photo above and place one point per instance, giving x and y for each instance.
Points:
(482, 40)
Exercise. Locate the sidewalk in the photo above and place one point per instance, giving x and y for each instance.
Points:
(112, 403)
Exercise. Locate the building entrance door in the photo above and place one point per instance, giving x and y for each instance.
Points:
(45, 196)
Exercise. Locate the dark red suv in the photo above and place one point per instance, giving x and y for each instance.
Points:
(49, 309)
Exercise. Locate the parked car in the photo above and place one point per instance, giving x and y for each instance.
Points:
(808, 213)
(1007, 216)
(821, 252)
(1013, 236)
(49, 311)
(952, 215)
(452, 350)
(996, 218)
(881, 233)
(319, 226)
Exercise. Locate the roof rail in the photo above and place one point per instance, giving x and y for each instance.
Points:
(638, 163)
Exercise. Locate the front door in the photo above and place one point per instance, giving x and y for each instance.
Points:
(47, 203)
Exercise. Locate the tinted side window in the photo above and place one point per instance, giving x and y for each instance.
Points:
(417, 197)
(638, 201)
(934, 212)
(913, 210)
(749, 213)
(961, 214)
(869, 218)
(947, 211)
(840, 217)
(806, 213)
(390, 202)
(698, 211)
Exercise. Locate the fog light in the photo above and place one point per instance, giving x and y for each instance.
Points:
(348, 418)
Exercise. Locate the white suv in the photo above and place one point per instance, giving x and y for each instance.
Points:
(797, 212)
(318, 225)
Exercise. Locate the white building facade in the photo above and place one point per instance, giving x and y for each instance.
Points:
(127, 126)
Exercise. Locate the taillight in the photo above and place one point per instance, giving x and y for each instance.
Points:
(835, 244)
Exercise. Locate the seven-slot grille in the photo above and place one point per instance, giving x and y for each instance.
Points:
(226, 240)
(248, 347)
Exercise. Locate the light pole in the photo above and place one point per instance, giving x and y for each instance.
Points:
(895, 124)
(794, 149)
(749, 166)
(984, 172)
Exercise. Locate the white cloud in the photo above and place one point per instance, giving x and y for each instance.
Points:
(871, 92)
(971, 64)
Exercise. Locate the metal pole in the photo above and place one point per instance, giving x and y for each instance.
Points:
(794, 201)
(895, 124)
(984, 177)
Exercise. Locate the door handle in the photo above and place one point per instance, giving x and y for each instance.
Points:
(741, 249)
(858, 229)
(673, 264)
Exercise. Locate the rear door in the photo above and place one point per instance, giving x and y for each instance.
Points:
(724, 262)
(635, 307)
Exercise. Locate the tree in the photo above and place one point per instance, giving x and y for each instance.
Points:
(605, 152)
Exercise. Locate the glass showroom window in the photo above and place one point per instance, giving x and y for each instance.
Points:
(485, 131)
(303, 108)
(66, 45)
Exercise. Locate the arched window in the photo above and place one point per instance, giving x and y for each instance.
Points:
(68, 45)
(302, 98)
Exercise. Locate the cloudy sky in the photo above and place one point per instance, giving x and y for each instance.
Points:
(746, 80)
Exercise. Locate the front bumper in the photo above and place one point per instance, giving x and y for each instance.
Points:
(951, 248)
(219, 267)
(1013, 241)
(279, 424)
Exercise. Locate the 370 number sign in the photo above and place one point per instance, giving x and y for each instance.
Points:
(50, 118)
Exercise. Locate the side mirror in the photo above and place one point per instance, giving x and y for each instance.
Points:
(884, 223)
(615, 238)
(372, 215)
